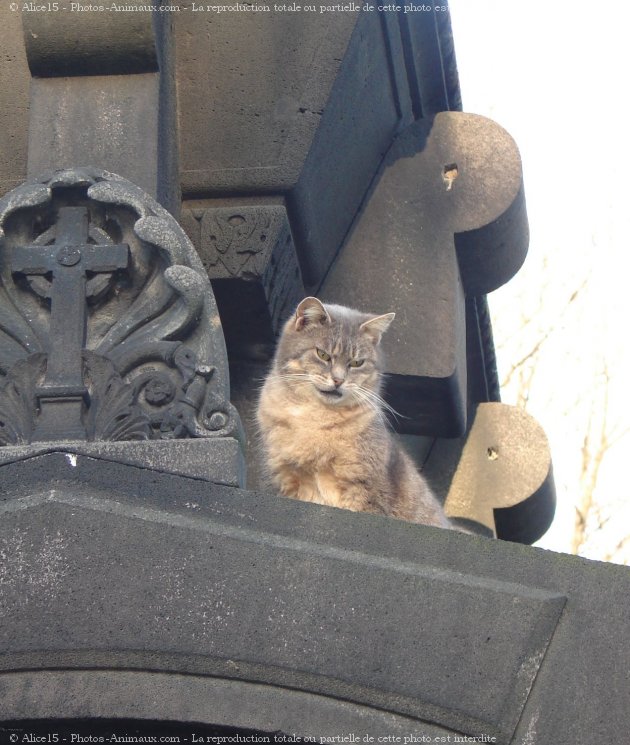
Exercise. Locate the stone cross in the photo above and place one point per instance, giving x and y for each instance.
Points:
(68, 259)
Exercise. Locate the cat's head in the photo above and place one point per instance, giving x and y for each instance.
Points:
(331, 354)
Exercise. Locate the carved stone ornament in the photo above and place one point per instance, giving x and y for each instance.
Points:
(108, 325)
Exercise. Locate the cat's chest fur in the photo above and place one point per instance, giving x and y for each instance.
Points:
(309, 434)
(314, 451)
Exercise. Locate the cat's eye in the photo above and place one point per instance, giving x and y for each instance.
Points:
(322, 355)
(356, 363)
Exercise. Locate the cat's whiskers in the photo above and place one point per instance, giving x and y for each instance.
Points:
(366, 402)
(379, 402)
(297, 380)
(293, 376)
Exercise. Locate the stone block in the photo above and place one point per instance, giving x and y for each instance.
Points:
(292, 617)
(251, 102)
(446, 219)
(500, 476)
(69, 42)
(122, 136)
(205, 597)
(98, 97)
(14, 101)
(311, 119)
(219, 460)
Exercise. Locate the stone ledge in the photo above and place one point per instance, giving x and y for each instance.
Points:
(219, 459)
(181, 589)
(119, 568)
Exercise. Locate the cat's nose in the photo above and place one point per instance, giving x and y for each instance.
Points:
(337, 381)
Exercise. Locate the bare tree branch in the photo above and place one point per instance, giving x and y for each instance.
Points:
(533, 352)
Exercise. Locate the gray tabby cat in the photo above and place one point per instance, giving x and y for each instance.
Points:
(321, 417)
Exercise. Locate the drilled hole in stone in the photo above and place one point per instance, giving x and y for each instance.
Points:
(449, 174)
(492, 453)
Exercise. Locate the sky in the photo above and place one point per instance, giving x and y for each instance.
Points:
(555, 76)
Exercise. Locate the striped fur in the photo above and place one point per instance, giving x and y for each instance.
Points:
(322, 418)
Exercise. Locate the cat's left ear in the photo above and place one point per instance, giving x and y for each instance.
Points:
(310, 310)
(377, 326)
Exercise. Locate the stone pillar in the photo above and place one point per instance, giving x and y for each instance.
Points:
(102, 94)
(14, 95)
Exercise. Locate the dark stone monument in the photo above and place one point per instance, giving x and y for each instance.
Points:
(143, 590)
(109, 331)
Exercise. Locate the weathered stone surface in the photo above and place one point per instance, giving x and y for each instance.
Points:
(504, 462)
(98, 98)
(166, 701)
(219, 460)
(250, 589)
(14, 100)
(122, 135)
(254, 127)
(65, 41)
(440, 188)
(312, 118)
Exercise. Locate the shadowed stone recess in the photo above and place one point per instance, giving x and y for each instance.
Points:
(249, 255)
(248, 252)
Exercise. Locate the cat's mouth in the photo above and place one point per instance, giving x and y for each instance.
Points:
(335, 394)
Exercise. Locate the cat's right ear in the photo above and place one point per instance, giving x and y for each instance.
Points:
(377, 326)
(310, 311)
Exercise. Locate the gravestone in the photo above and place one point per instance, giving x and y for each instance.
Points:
(67, 261)
(109, 331)
(143, 590)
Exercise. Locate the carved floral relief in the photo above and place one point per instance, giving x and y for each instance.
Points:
(108, 325)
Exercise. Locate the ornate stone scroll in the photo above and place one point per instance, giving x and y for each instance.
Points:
(108, 326)
(250, 257)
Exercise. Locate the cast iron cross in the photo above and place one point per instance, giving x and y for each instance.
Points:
(68, 259)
